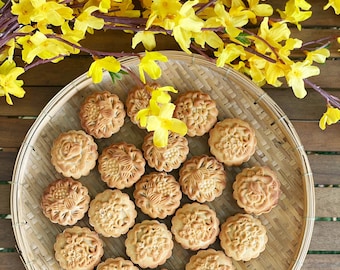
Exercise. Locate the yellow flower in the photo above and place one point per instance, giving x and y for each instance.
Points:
(299, 71)
(318, 55)
(45, 48)
(1, 4)
(262, 10)
(157, 117)
(163, 13)
(149, 66)
(331, 116)
(272, 35)
(162, 123)
(9, 85)
(24, 10)
(86, 22)
(229, 20)
(50, 12)
(186, 24)
(335, 4)
(228, 54)
(208, 37)
(293, 12)
(108, 63)
(146, 37)
(181, 19)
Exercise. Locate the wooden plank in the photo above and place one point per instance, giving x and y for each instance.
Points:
(7, 160)
(58, 74)
(7, 239)
(13, 131)
(321, 261)
(319, 18)
(10, 261)
(327, 200)
(5, 190)
(315, 139)
(311, 107)
(31, 104)
(326, 236)
(325, 169)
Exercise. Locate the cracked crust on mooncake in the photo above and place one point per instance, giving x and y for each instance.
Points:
(138, 99)
(112, 213)
(78, 248)
(195, 226)
(210, 259)
(232, 141)
(202, 178)
(65, 201)
(256, 190)
(149, 244)
(157, 194)
(118, 263)
(243, 237)
(102, 114)
(197, 110)
(121, 165)
(166, 158)
(74, 153)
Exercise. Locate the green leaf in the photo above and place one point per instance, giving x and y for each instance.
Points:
(117, 75)
(243, 38)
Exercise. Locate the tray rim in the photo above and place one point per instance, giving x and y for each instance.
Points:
(76, 85)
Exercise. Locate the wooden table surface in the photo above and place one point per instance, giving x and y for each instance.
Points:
(322, 147)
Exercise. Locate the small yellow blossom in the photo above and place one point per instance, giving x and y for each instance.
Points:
(163, 13)
(87, 22)
(50, 12)
(1, 4)
(38, 45)
(318, 55)
(228, 54)
(149, 66)
(186, 25)
(299, 71)
(157, 117)
(9, 85)
(335, 4)
(273, 35)
(108, 63)
(230, 20)
(146, 37)
(24, 10)
(293, 12)
(162, 123)
(208, 37)
(331, 116)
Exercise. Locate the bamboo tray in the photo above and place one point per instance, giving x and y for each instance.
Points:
(289, 225)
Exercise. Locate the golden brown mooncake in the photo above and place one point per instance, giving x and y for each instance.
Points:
(210, 259)
(157, 194)
(121, 165)
(112, 213)
(232, 141)
(202, 178)
(243, 237)
(78, 248)
(195, 226)
(257, 190)
(165, 158)
(149, 244)
(65, 201)
(102, 114)
(74, 153)
(197, 110)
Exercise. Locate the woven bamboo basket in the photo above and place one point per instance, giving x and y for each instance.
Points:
(289, 225)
